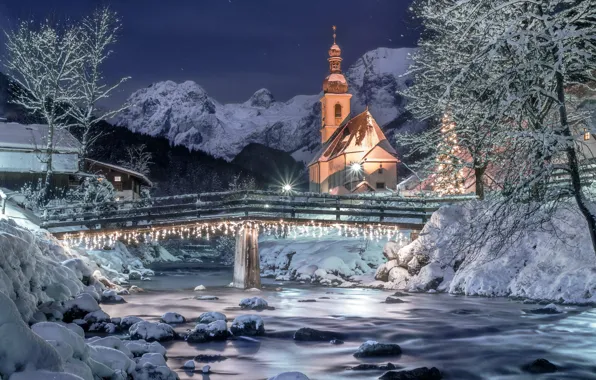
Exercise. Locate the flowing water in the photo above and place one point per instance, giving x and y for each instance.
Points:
(465, 337)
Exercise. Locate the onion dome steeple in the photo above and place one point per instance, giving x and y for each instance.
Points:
(335, 83)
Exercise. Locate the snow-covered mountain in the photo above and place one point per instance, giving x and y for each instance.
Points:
(188, 116)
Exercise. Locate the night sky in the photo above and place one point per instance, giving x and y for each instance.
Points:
(233, 47)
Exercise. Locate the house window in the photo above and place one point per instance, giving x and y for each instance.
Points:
(117, 178)
(380, 185)
(586, 134)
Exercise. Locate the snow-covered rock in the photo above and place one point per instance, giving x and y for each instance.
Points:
(206, 369)
(289, 376)
(171, 317)
(128, 321)
(200, 288)
(186, 115)
(249, 325)
(390, 250)
(328, 260)
(111, 296)
(190, 364)
(112, 358)
(31, 270)
(399, 277)
(151, 331)
(211, 316)
(141, 347)
(79, 307)
(254, 303)
(152, 358)
(149, 371)
(373, 349)
(27, 350)
(97, 316)
(112, 342)
(217, 330)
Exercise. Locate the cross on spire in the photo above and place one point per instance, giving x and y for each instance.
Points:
(334, 35)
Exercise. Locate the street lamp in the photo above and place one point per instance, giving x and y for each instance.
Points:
(287, 188)
(356, 167)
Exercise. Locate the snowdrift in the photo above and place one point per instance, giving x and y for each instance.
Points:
(558, 266)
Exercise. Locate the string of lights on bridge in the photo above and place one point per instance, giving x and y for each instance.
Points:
(279, 229)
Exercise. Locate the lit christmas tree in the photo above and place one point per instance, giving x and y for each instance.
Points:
(448, 177)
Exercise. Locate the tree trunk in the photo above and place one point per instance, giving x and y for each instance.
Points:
(479, 178)
(83, 151)
(574, 163)
(47, 187)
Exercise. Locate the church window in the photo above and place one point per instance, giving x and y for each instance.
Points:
(337, 113)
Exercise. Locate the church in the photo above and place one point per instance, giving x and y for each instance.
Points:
(355, 156)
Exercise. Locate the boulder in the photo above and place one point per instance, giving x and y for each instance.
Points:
(399, 277)
(151, 332)
(374, 367)
(306, 334)
(383, 270)
(78, 307)
(171, 317)
(134, 275)
(429, 277)
(249, 325)
(415, 374)
(217, 330)
(289, 376)
(211, 316)
(97, 316)
(373, 349)
(391, 250)
(540, 366)
(548, 309)
(394, 300)
(189, 365)
(200, 288)
(128, 321)
(414, 266)
(254, 303)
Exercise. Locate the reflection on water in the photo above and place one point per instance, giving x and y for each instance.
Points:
(465, 337)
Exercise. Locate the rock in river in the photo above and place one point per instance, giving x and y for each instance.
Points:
(217, 330)
(415, 374)
(372, 349)
(248, 325)
(307, 334)
(540, 366)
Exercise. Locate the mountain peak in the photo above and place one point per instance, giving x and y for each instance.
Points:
(261, 98)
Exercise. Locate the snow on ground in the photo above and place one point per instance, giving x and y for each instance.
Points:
(558, 265)
(328, 260)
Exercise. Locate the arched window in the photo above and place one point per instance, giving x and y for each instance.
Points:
(337, 113)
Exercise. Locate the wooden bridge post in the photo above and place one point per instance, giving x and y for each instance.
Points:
(247, 268)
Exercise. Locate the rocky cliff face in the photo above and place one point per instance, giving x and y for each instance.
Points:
(186, 115)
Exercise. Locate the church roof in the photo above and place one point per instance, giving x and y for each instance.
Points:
(360, 134)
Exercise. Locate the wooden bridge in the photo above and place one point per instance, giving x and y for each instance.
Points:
(244, 214)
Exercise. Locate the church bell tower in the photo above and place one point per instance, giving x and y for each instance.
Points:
(335, 104)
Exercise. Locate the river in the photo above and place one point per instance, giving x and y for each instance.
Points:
(465, 337)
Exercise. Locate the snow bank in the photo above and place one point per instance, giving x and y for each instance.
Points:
(31, 272)
(557, 265)
(329, 260)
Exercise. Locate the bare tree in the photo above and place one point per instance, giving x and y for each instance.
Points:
(43, 61)
(137, 159)
(98, 33)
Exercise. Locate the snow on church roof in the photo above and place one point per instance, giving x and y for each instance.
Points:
(360, 134)
(34, 136)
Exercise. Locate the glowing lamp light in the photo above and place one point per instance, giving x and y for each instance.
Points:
(287, 188)
(356, 167)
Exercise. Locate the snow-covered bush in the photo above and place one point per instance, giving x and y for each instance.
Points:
(93, 191)
(34, 195)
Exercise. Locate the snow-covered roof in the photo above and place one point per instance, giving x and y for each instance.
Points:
(34, 136)
(121, 169)
(360, 134)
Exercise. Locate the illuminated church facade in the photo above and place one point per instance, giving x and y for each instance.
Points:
(355, 156)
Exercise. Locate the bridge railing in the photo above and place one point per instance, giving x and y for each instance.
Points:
(244, 204)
